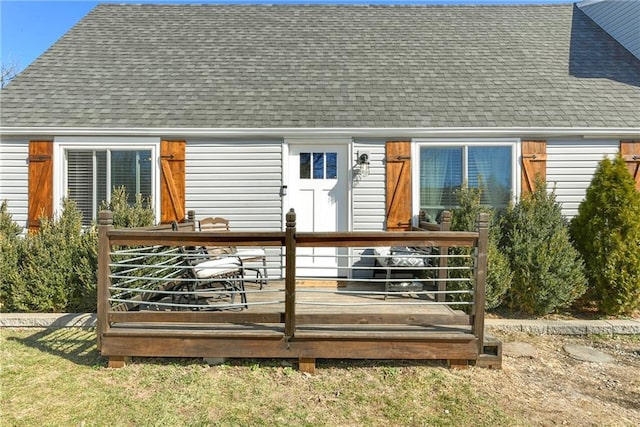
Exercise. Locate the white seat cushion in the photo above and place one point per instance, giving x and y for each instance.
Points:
(250, 253)
(216, 267)
(382, 255)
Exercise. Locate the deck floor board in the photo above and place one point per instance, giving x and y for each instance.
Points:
(331, 322)
(319, 299)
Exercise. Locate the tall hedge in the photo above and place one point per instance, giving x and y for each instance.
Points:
(548, 271)
(606, 231)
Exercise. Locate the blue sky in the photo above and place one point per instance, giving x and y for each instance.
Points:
(29, 28)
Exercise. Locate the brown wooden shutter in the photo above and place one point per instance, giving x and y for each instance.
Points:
(534, 163)
(398, 186)
(630, 151)
(172, 181)
(40, 182)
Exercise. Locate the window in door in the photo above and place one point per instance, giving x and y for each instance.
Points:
(319, 165)
(444, 169)
(93, 174)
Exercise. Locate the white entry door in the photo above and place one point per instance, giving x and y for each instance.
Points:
(318, 194)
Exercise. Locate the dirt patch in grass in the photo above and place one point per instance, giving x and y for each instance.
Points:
(58, 378)
(552, 388)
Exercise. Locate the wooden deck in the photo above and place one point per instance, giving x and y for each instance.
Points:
(304, 321)
(402, 327)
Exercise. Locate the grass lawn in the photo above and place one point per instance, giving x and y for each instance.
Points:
(57, 377)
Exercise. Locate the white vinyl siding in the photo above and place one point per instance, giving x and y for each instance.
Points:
(368, 194)
(619, 18)
(14, 178)
(570, 168)
(237, 180)
(368, 200)
(240, 181)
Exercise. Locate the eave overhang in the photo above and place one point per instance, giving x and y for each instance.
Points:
(520, 132)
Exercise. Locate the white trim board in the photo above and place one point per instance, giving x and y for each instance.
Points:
(486, 132)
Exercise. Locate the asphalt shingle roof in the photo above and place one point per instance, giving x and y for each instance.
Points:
(212, 66)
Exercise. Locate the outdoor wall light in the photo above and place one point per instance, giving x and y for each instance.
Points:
(363, 164)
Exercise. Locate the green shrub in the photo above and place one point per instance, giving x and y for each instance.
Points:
(54, 269)
(9, 241)
(125, 215)
(606, 231)
(140, 214)
(499, 274)
(8, 228)
(548, 271)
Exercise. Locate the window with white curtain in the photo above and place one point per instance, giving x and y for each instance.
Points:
(443, 169)
(93, 174)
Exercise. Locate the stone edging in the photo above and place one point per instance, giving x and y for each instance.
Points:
(566, 327)
(48, 320)
(540, 327)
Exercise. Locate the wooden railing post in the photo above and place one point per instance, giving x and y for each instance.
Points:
(290, 276)
(191, 217)
(105, 223)
(445, 225)
(481, 278)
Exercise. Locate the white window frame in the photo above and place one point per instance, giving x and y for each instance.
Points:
(459, 142)
(62, 144)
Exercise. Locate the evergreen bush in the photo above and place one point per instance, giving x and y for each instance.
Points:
(139, 214)
(55, 269)
(499, 274)
(606, 231)
(9, 241)
(548, 270)
(8, 228)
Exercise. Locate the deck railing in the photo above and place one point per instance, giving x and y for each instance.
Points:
(141, 272)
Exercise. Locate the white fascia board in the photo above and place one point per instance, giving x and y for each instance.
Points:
(524, 132)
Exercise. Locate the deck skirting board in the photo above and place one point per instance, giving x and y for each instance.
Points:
(320, 343)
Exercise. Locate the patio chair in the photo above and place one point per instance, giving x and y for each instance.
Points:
(404, 260)
(246, 255)
(204, 273)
